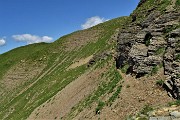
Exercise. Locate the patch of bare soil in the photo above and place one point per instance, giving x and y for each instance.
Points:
(135, 94)
(62, 103)
(81, 38)
(80, 62)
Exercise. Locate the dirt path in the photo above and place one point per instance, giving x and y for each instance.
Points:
(62, 102)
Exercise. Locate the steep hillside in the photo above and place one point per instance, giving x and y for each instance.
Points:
(114, 70)
(33, 74)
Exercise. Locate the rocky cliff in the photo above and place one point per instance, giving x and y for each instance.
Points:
(76, 77)
(152, 41)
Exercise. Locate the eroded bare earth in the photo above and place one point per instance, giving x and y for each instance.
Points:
(63, 102)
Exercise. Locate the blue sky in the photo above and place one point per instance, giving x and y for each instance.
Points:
(25, 22)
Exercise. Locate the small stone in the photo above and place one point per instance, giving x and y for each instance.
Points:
(142, 115)
(151, 113)
(159, 112)
(160, 118)
(176, 114)
(153, 118)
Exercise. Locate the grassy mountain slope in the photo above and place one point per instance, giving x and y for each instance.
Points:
(75, 77)
(32, 74)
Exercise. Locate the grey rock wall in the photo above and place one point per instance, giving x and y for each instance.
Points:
(153, 43)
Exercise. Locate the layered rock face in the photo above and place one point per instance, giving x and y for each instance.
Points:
(151, 44)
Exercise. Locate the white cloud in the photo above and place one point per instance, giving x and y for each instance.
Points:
(2, 42)
(32, 38)
(90, 22)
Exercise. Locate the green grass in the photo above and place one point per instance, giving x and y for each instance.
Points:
(159, 82)
(99, 107)
(177, 57)
(129, 117)
(154, 70)
(170, 28)
(11, 58)
(112, 76)
(115, 95)
(177, 102)
(142, 118)
(41, 92)
(125, 68)
(160, 50)
(163, 5)
(155, 5)
(147, 42)
(142, 11)
(57, 78)
(146, 109)
(178, 3)
(108, 86)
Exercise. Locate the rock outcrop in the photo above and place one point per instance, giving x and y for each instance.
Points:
(152, 43)
(164, 113)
